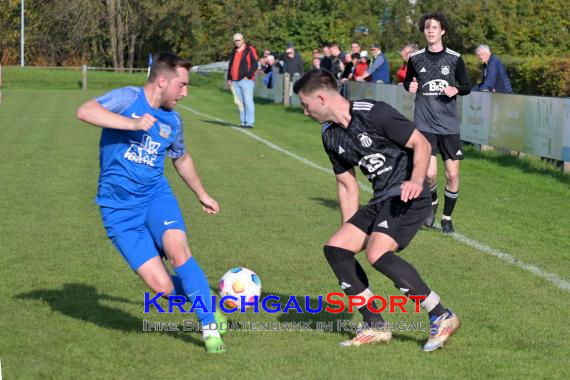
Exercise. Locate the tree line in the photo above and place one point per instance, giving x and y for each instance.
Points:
(121, 33)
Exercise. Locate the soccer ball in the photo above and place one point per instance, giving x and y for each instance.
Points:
(239, 282)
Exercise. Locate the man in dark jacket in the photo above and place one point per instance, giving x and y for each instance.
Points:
(292, 61)
(241, 72)
(495, 78)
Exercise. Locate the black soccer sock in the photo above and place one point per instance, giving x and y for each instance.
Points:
(434, 198)
(449, 205)
(408, 280)
(352, 279)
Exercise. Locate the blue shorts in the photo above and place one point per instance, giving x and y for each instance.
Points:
(137, 232)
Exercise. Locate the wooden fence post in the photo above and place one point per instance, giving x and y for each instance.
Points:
(84, 78)
(286, 86)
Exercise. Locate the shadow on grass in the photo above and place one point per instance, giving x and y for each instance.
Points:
(220, 123)
(264, 101)
(297, 110)
(330, 203)
(525, 165)
(82, 302)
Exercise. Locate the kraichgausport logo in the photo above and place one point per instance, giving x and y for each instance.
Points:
(274, 304)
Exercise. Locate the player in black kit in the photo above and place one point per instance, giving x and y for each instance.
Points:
(394, 156)
(437, 74)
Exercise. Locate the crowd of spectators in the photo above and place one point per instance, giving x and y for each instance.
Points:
(356, 64)
(370, 65)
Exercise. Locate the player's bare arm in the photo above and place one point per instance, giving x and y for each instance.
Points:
(348, 194)
(93, 113)
(186, 169)
(422, 150)
(410, 82)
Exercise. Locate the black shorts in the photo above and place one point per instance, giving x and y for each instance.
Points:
(393, 217)
(448, 146)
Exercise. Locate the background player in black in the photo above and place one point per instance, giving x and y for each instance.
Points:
(394, 156)
(437, 74)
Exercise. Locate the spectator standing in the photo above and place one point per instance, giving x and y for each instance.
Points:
(326, 60)
(362, 65)
(351, 60)
(495, 78)
(269, 68)
(292, 61)
(337, 65)
(316, 63)
(241, 72)
(355, 48)
(405, 54)
(379, 70)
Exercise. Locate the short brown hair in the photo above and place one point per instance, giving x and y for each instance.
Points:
(318, 79)
(166, 62)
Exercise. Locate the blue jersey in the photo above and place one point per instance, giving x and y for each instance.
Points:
(132, 162)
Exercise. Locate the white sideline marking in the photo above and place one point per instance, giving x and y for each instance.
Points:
(551, 277)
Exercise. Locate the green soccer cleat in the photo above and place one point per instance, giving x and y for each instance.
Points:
(222, 322)
(215, 345)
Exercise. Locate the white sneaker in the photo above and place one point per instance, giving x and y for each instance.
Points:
(367, 336)
(441, 329)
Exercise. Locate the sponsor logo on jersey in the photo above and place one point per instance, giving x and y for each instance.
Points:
(365, 140)
(135, 116)
(423, 70)
(372, 164)
(434, 87)
(165, 130)
(144, 152)
(445, 70)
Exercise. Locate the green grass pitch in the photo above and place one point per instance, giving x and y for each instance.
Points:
(71, 308)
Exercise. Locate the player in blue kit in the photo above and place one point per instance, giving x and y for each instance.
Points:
(139, 211)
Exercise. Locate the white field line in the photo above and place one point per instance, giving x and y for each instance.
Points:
(551, 277)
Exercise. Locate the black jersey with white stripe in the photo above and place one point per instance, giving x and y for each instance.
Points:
(434, 111)
(374, 140)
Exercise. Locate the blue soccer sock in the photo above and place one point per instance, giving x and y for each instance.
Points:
(178, 288)
(193, 282)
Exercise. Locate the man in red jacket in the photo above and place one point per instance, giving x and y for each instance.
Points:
(241, 73)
